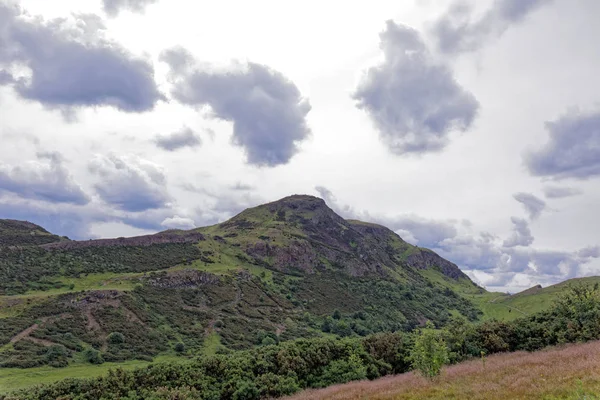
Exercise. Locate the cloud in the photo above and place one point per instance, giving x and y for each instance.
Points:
(113, 7)
(477, 252)
(456, 32)
(44, 179)
(130, 183)
(533, 205)
(521, 235)
(556, 192)
(589, 252)
(573, 149)
(69, 65)
(177, 222)
(185, 137)
(267, 109)
(242, 186)
(413, 101)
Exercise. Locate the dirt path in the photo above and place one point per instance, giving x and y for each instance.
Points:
(25, 333)
(509, 307)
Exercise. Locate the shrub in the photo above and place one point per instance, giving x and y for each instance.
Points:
(267, 341)
(116, 338)
(179, 347)
(429, 353)
(93, 356)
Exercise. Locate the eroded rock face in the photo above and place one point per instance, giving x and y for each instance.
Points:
(185, 279)
(428, 259)
(297, 255)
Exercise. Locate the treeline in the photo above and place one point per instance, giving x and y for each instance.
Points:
(277, 370)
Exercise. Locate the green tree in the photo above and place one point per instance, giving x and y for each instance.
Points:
(116, 338)
(429, 352)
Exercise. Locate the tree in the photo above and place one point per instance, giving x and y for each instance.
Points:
(429, 352)
(116, 338)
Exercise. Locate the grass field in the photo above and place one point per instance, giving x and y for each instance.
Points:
(570, 372)
(16, 378)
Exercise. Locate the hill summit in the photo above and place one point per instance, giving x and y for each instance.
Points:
(302, 233)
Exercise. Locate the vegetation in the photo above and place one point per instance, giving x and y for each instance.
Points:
(282, 369)
(429, 352)
(569, 372)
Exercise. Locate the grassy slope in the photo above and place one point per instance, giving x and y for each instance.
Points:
(12, 379)
(501, 306)
(570, 372)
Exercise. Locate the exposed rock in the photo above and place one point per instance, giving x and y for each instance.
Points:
(185, 279)
(425, 258)
(171, 236)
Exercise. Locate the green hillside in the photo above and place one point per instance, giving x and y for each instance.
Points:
(274, 273)
(284, 270)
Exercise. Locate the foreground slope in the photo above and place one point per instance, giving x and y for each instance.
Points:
(288, 269)
(569, 372)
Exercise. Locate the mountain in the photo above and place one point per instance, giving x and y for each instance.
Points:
(287, 269)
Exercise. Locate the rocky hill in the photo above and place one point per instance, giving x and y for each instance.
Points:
(288, 269)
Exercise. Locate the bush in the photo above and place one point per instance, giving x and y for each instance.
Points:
(116, 338)
(429, 353)
(179, 347)
(267, 341)
(57, 356)
(93, 356)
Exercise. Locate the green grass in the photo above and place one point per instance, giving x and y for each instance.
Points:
(17, 378)
(505, 307)
(211, 344)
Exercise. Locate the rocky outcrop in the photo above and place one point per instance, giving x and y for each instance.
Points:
(184, 279)
(425, 258)
(172, 236)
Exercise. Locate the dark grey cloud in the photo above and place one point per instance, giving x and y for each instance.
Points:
(589, 252)
(557, 192)
(533, 205)
(114, 7)
(521, 235)
(45, 178)
(573, 148)
(267, 109)
(185, 137)
(130, 183)
(72, 65)
(458, 31)
(413, 101)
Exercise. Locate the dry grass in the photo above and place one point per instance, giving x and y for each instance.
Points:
(570, 372)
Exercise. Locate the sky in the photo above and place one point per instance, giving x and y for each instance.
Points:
(471, 128)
